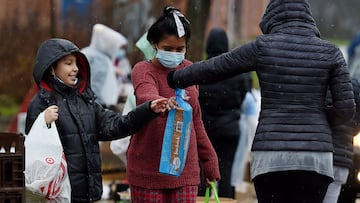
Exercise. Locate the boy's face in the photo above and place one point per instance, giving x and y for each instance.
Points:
(67, 70)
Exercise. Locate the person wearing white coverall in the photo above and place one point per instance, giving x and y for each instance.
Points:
(104, 49)
(120, 146)
(250, 109)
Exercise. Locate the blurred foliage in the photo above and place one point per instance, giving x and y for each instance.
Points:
(339, 42)
(255, 80)
(19, 44)
(8, 106)
(337, 19)
(197, 13)
(20, 40)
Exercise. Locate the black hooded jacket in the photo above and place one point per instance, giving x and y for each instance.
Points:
(295, 67)
(82, 122)
(221, 102)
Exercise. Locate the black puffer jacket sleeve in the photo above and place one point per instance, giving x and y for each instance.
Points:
(342, 101)
(114, 125)
(240, 60)
(37, 105)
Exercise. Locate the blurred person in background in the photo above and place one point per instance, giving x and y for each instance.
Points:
(354, 56)
(343, 135)
(292, 152)
(354, 44)
(104, 49)
(221, 108)
(122, 70)
(248, 121)
(119, 147)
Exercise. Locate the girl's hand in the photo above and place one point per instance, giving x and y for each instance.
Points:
(51, 114)
(207, 182)
(172, 104)
(159, 105)
(186, 96)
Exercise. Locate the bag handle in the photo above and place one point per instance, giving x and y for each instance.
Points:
(207, 192)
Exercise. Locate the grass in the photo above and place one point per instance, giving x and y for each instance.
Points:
(339, 42)
(8, 106)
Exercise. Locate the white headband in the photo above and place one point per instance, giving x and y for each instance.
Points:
(179, 25)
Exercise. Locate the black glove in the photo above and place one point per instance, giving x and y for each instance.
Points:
(170, 79)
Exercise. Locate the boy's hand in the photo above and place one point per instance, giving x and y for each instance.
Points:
(51, 114)
(159, 105)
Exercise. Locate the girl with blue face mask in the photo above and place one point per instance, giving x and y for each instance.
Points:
(169, 36)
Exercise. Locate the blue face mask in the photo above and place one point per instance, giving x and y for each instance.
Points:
(169, 59)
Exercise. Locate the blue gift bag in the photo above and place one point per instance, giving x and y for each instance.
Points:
(176, 137)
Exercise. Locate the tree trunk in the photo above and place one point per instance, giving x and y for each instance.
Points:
(197, 13)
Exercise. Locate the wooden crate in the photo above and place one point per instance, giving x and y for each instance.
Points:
(12, 166)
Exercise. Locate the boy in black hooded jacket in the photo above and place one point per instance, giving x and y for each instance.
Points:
(62, 74)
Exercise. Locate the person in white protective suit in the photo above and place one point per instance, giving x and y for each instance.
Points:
(104, 50)
(120, 146)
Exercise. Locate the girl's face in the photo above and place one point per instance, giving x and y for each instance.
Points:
(172, 43)
(170, 51)
(67, 70)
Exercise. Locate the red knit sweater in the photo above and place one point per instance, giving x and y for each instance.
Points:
(143, 156)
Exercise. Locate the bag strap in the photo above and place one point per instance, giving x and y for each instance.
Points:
(207, 192)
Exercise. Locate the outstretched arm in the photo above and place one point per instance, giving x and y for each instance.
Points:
(240, 60)
(114, 125)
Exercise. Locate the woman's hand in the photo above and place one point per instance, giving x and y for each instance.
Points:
(51, 114)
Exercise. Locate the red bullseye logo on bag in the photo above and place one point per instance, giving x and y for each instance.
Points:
(49, 160)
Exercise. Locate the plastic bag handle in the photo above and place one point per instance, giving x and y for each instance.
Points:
(207, 192)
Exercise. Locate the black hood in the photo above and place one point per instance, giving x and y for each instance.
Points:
(289, 16)
(217, 42)
(51, 51)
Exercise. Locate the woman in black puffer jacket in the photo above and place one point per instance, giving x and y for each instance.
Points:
(292, 149)
(62, 74)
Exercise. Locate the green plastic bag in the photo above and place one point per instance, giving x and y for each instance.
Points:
(207, 193)
(144, 45)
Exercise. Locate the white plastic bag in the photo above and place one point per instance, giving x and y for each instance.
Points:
(119, 148)
(45, 165)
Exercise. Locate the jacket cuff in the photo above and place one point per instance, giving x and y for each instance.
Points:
(149, 108)
(170, 79)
